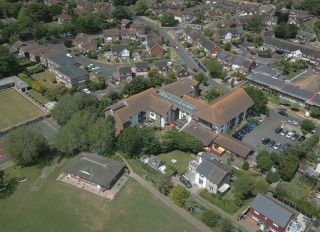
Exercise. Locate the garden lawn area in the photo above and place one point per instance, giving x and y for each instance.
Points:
(182, 160)
(38, 96)
(299, 187)
(14, 109)
(143, 170)
(60, 207)
(46, 79)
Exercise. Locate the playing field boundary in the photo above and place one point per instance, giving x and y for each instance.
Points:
(46, 114)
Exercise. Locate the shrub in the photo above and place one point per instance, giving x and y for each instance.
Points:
(37, 69)
(245, 165)
(22, 75)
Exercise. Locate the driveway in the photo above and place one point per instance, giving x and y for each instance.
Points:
(267, 129)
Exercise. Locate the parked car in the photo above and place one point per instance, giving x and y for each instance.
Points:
(314, 131)
(86, 91)
(283, 113)
(271, 143)
(237, 136)
(302, 138)
(293, 122)
(281, 149)
(98, 72)
(278, 130)
(265, 141)
(249, 124)
(284, 132)
(185, 181)
(294, 137)
(69, 55)
(95, 68)
(277, 146)
(258, 119)
(243, 131)
(247, 129)
(289, 135)
(189, 53)
(195, 70)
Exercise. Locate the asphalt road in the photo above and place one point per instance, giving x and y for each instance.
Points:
(182, 53)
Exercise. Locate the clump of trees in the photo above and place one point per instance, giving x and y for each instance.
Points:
(213, 93)
(260, 100)
(286, 31)
(168, 20)
(8, 63)
(215, 69)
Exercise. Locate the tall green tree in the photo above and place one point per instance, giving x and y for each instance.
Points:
(140, 7)
(242, 190)
(39, 30)
(137, 85)
(200, 78)
(213, 93)
(288, 167)
(164, 184)
(215, 68)
(307, 125)
(273, 177)
(264, 162)
(121, 12)
(25, 145)
(254, 24)
(35, 12)
(8, 63)
(260, 100)
(130, 142)
(179, 195)
(311, 5)
(168, 20)
(55, 9)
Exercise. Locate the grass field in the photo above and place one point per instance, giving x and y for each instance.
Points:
(60, 207)
(182, 160)
(14, 109)
(46, 79)
(36, 95)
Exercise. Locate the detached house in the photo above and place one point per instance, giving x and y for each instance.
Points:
(153, 36)
(111, 35)
(229, 34)
(178, 15)
(120, 51)
(35, 54)
(123, 74)
(211, 174)
(162, 66)
(235, 62)
(191, 35)
(128, 34)
(270, 215)
(154, 48)
(180, 71)
(210, 48)
(141, 69)
(83, 41)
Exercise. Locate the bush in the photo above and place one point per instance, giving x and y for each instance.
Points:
(22, 75)
(273, 177)
(37, 69)
(245, 165)
(26, 63)
(179, 195)
(307, 125)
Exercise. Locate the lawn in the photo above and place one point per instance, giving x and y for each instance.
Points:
(38, 96)
(46, 79)
(14, 109)
(143, 170)
(299, 187)
(60, 207)
(182, 158)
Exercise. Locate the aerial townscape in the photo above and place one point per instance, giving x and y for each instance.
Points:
(159, 115)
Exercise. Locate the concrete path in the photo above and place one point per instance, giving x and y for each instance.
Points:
(201, 226)
(6, 165)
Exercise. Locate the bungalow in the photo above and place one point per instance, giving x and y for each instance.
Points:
(95, 169)
(178, 15)
(270, 215)
(111, 35)
(72, 76)
(85, 42)
(210, 48)
(123, 74)
(120, 51)
(63, 17)
(154, 48)
(162, 66)
(211, 174)
(229, 34)
(141, 69)
(180, 71)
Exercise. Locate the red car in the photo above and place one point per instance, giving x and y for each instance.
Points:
(195, 70)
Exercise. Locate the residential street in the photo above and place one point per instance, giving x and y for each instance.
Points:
(182, 53)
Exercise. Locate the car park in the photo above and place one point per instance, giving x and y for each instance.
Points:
(265, 141)
(271, 143)
(302, 138)
(283, 113)
(284, 132)
(278, 130)
(277, 146)
(185, 181)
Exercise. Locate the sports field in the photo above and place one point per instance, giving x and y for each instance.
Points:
(14, 109)
(57, 206)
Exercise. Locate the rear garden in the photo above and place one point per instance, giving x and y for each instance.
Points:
(60, 207)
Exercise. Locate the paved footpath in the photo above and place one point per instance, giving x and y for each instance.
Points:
(201, 226)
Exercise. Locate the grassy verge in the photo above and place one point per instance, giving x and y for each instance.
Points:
(38, 97)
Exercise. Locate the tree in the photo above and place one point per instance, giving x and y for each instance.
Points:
(55, 9)
(215, 68)
(190, 204)
(129, 142)
(8, 63)
(260, 100)
(164, 184)
(150, 142)
(121, 12)
(168, 20)
(140, 7)
(281, 16)
(311, 5)
(39, 30)
(307, 125)
(315, 112)
(25, 145)
(264, 162)
(179, 195)
(34, 12)
(123, 2)
(226, 226)
(288, 167)
(211, 218)
(254, 24)
(200, 78)
(286, 31)
(242, 190)
(74, 135)
(207, 32)
(273, 177)
(245, 165)
(137, 85)
(102, 135)
(227, 46)
(316, 28)
(69, 104)
(213, 93)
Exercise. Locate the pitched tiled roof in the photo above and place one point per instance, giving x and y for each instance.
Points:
(180, 88)
(119, 48)
(113, 32)
(226, 107)
(205, 134)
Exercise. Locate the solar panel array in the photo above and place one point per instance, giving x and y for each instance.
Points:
(176, 100)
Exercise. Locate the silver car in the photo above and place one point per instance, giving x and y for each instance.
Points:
(277, 146)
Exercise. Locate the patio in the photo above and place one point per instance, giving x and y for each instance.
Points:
(92, 188)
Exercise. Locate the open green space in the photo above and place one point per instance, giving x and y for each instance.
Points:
(299, 187)
(14, 109)
(144, 170)
(182, 160)
(46, 79)
(60, 207)
(38, 96)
